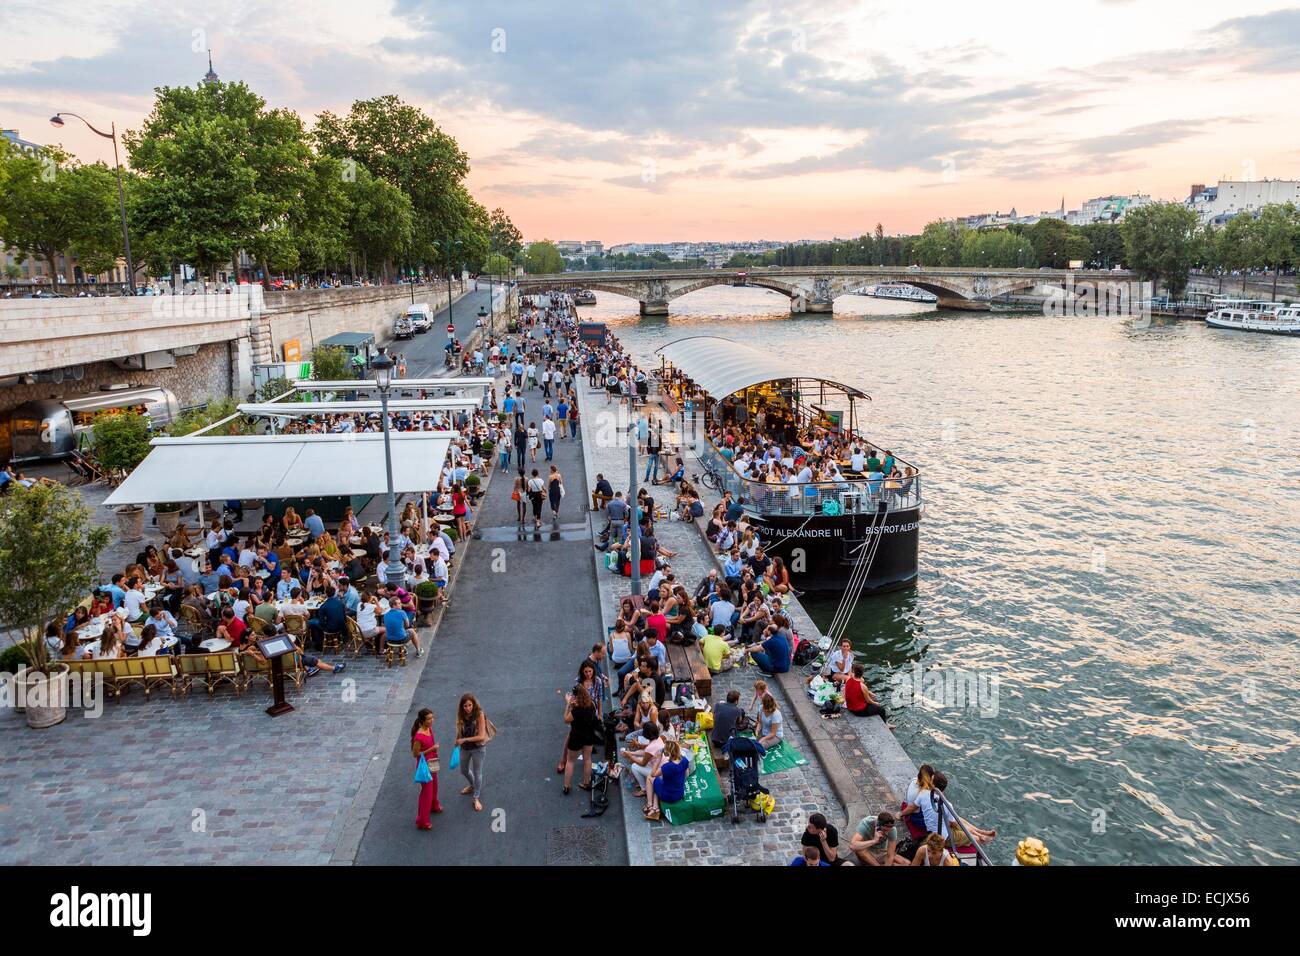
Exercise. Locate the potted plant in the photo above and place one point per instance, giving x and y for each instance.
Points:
(121, 443)
(426, 593)
(168, 515)
(472, 483)
(488, 448)
(49, 548)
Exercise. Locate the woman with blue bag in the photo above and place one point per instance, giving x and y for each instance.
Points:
(425, 751)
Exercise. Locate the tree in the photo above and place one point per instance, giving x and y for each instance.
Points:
(1238, 246)
(121, 440)
(1107, 241)
(497, 265)
(1160, 244)
(211, 412)
(543, 258)
(940, 244)
(319, 221)
(1057, 244)
(53, 206)
(1277, 232)
(380, 218)
(330, 363)
(221, 173)
(49, 549)
(505, 238)
(403, 146)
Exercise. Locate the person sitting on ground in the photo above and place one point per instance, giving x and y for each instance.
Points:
(929, 804)
(839, 664)
(690, 507)
(669, 778)
(858, 698)
(677, 477)
(871, 833)
(934, 852)
(642, 760)
(772, 654)
(714, 650)
(771, 725)
(824, 836)
(725, 717)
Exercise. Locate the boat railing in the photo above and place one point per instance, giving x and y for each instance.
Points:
(829, 498)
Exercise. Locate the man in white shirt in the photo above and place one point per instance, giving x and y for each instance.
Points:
(439, 572)
(134, 601)
(295, 607)
(548, 437)
(285, 586)
(858, 461)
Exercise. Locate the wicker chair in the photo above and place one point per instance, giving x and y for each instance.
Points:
(357, 642)
(296, 625)
(396, 650)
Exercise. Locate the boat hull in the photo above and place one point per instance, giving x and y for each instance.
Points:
(821, 551)
(1238, 327)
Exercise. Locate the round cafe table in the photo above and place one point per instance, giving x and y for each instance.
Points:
(214, 644)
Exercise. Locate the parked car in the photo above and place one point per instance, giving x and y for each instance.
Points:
(421, 316)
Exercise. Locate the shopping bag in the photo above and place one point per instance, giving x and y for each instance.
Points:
(422, 774)
(455, 758)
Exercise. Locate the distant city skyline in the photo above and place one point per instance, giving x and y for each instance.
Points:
(654, 124)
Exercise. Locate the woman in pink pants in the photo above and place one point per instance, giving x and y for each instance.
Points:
(422, 743)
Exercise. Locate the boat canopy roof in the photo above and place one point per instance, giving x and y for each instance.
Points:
(723, 367)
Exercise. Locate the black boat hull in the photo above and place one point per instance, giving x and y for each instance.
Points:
(821, 551)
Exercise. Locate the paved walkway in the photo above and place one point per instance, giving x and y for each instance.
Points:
(523, 616)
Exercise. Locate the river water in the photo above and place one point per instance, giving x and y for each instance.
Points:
(1111, 549)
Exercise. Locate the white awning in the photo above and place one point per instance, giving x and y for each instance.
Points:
(398, 384)
(722, 367)
(304, 409)
(198, 468)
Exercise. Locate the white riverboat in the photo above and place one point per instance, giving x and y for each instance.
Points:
(1253, 315)
(898, 290)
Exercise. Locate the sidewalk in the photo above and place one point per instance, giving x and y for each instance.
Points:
(798, 792)
(523, 616)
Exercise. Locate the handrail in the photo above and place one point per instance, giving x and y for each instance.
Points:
(945, 807)
(847, 496)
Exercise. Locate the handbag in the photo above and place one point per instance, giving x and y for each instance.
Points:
(491, 729)
(423, 774)
(455, 758)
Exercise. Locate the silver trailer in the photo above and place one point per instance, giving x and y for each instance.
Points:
(54, 428)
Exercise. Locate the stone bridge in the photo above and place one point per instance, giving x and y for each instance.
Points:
(814, 289)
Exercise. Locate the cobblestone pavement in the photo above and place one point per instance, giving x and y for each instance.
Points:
(798, 792)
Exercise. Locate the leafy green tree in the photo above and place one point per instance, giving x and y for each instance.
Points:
(319, 220)
(1107, 241)
(330, 363)
(273, 388)
(1161, 244)
(497, 265)
(1239, 247)
(505, 238)
(940, 244)
(49, 549)
(121, 440)
(221, 173)
(380, 218)
(213, 411)
(54, 206)
(1057, 244)
(543, 258)
(1277, 232)
(402, 145)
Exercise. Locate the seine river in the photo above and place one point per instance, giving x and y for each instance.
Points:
(1111, 541)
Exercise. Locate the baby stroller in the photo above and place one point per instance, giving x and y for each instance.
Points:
(746, 755)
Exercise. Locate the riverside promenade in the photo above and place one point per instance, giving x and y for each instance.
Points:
(855, 767)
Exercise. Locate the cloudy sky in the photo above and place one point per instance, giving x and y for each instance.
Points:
(619, 120)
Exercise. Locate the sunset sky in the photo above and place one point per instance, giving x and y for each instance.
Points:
(621, 121)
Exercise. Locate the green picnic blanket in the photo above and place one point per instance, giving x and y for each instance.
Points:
(780, 757)
(703, 799)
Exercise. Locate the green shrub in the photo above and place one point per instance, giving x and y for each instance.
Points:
(121, 440)
(163, 507)
(12, 659)
(426, 590)
(472, 482)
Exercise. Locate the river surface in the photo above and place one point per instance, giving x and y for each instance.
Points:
(1111, 546)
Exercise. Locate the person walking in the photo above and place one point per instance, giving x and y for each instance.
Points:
(536, 490)
(521, 442)
(460, 510)
(532, 441)
(471, 737)
(654, 444)
(548, 438)
(521, 506)
(555, 492)
(423, 745)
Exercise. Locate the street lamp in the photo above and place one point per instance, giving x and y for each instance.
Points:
(383, 365)
(446, 246)
(57, 121)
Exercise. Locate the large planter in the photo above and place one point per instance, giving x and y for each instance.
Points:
(45, 697)
(167, 522)
(130, 523)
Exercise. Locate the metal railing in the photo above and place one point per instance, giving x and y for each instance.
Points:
(847, 496)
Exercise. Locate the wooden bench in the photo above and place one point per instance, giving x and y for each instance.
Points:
(688, 664)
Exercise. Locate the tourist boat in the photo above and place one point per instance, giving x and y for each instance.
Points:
(584, 297)
(898, 290)
(1252, 315)
(821, 530)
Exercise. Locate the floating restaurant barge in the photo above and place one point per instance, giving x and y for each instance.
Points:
(822, 530)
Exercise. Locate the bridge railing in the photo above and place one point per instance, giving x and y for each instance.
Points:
(847, 496)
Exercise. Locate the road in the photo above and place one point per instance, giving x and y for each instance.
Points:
(424, 353)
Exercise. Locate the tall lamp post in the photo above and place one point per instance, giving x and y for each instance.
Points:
(383, 367)
(57, 120)
(447, 246)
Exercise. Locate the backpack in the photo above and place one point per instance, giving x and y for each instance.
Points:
(804, 652)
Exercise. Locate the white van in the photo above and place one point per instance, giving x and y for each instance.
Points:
(421, 316)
